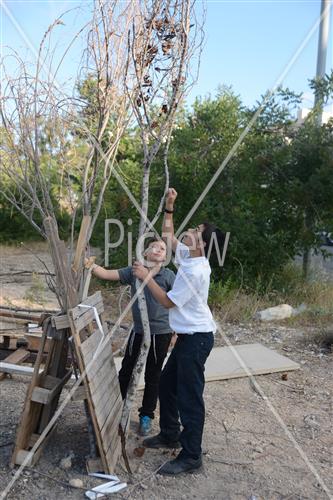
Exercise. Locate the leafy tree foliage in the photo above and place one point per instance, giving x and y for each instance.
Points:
(274, 195)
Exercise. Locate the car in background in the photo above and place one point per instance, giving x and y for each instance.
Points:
(326, 239)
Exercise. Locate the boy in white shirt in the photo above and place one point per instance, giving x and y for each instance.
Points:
(182, 381)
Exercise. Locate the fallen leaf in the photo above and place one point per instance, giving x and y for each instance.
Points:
(139, 452)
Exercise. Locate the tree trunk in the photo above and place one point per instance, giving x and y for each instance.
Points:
(146, 338)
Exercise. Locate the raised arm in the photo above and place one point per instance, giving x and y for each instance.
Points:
(102, 273)
(168, 233)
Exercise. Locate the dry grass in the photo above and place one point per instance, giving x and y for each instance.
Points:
(237, 305)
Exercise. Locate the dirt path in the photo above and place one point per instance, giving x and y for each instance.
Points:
(246, 450)
(248, 453)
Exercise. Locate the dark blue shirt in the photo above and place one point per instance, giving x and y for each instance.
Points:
(157, 314)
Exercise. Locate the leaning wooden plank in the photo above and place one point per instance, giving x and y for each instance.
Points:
(90, 345)
(111, 419)
(113, 453)
(81, 364)
(101, 381)
(65, 282)
(104, 401)
(81, 244)
(102, 362)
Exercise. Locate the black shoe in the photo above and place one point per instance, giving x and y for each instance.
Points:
(159, 441)
(180, 465)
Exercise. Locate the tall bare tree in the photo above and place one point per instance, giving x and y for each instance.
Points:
(39, 116)
(164, 46)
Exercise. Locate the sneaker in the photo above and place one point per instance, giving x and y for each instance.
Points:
(145, 426)
(159, 441)
(180, 465)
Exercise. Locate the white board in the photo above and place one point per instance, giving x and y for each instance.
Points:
(239, 361)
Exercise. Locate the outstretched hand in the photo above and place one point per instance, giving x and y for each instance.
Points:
(141, 272)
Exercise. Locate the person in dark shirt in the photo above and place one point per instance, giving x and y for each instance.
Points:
(159, 327)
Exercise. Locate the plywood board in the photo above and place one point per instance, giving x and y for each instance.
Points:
(226, 362)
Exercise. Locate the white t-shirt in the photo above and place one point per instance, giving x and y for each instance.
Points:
(190, 294)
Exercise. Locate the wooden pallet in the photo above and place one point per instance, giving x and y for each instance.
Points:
(100, 389)
(95, 360)
(42, 395)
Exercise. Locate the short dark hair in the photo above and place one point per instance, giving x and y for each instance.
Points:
(207, 235)
(151, 240)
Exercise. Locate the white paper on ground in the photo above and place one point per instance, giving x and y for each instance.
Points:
(105, 476)
(104, 489)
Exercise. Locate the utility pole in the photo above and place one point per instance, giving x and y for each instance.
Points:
(325, 10)
(324, 27)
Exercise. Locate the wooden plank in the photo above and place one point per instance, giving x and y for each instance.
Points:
(31, 411)
(56, 367)
(22, 455)
(98, 361)
(90, 345)
(111, 417)
(113, 454)
(226, 363)
(18, 356)
(46, 396)
(34, 340)
(33, 457)
(105, 400)
(94, 465)
(103, 379)
(95, 300)
(60, 322)
(14, 358)
(33, 440)
(82, 242)
(64, 278)
(80, 361)
(18, 321)
(84, 319)
(114, 431)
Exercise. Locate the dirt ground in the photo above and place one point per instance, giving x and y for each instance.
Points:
(274, 447)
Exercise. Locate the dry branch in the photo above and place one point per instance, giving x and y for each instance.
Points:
(161, 43)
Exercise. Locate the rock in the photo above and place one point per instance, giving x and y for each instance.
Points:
(66, 463)
(76, 483)
(274, 313)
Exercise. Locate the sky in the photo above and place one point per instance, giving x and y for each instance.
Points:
(248, 44)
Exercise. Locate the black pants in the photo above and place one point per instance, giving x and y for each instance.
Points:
(158, 350)
(181, 392)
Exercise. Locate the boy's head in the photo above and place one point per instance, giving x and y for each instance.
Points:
(203, 238)
(156, 251)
